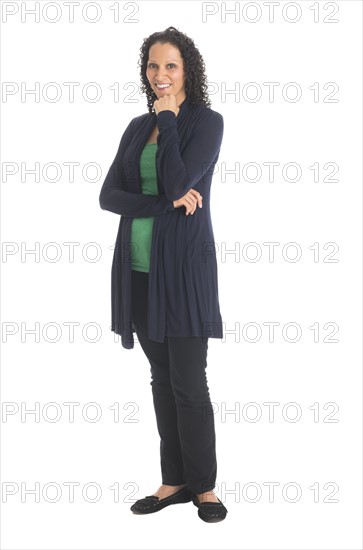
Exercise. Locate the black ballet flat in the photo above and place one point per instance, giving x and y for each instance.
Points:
(210, 512)
(152, 503)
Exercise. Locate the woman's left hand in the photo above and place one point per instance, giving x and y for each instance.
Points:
(166, 103)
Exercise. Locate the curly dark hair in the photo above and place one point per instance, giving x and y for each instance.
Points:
(194, 67)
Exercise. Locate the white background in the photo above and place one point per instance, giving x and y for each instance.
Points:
(314, 293)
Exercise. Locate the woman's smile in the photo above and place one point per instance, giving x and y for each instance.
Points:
(162, 87)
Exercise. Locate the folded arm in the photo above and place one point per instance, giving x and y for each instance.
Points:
(137, 205)
(179, 173)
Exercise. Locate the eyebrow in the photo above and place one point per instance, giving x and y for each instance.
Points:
(172, 60)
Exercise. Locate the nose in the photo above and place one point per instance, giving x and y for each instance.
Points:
(160, 73)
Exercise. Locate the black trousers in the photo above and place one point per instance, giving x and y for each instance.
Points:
(183, 409)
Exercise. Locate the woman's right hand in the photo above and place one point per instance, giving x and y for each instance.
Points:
(190, 201)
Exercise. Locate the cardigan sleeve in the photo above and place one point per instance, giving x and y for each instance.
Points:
(137, 205)
(179, 172)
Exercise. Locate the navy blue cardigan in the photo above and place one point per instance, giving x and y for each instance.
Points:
(183, 281)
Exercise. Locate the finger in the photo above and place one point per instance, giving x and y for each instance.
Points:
(198, 196)
(193, 205)
(189, 204)
(199, 201)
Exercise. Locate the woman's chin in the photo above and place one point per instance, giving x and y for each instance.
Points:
(162, 93)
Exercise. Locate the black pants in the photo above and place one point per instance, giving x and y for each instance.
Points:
(183, 409)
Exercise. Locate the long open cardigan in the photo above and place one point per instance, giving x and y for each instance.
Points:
(183, 282)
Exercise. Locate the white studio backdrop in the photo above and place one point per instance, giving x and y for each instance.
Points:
(286, 208)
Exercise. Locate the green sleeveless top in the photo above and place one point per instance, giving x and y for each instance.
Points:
(141, 228)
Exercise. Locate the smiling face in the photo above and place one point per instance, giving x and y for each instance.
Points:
(165, 66)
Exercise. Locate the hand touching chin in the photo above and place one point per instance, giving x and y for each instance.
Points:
(166, 103)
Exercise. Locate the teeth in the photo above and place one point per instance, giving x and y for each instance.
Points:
(163, 86)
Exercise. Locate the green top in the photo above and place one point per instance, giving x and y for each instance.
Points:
(141, 228)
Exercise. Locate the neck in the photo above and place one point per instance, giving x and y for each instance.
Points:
(180, 100)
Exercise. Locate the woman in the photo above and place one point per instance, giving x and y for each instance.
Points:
(164, 270)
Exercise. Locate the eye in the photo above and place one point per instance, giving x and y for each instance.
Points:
(152, 65)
